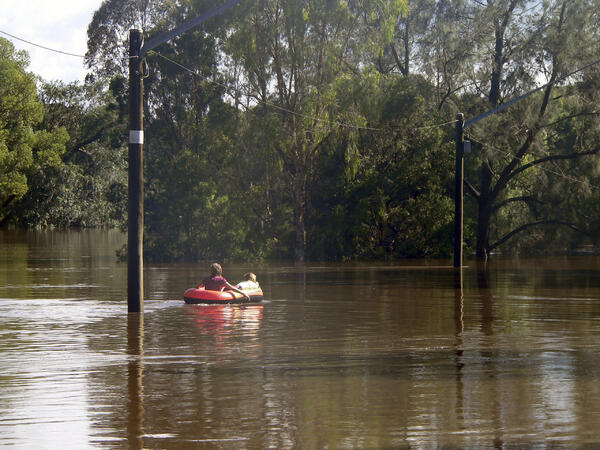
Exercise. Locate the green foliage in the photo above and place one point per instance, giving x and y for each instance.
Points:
(382, 194)
(87, 186)
(312, 129)
(23, 150)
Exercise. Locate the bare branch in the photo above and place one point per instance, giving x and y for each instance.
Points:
(552, 158)
(79, 146)
(403, 68)
(525, 226)
(529, 200)
(5, 205)
(569, 117)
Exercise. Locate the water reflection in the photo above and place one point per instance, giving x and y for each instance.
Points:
(485, 292)
(220, 320)
(353, 355)
(135, 380)
(459, 352)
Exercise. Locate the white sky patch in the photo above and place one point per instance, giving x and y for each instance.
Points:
(57, 24)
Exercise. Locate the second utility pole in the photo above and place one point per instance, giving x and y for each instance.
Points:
(459, 191)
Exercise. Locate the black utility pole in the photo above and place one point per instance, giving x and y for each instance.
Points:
(459, 191)
(135, 252)
(135, 238)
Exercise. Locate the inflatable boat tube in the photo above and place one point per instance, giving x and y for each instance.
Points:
(199, 295)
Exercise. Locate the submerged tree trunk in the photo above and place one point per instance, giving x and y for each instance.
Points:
(484, 213)
(5, 217)
(300, 218)
(487, 193)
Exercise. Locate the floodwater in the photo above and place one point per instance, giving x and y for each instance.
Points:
(337, 356)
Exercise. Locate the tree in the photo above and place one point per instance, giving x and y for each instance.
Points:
(563, 41)
(301, 128)
(400, 55)
(292, 53)
(512, 46)
(89, 187)
(192, 186)
(108, 33)
(383, 195)
(23, 150)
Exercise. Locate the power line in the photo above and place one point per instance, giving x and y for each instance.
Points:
(281, 108)
(271, 105)
(164, 37)
(439, 125)
(41, 46)
(527, 94)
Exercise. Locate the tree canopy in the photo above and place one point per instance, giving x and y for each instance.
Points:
(24, 150)
(324, 130)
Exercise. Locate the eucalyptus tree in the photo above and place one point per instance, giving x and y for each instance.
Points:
(443, 47)
(384, 196)
(284, 60)
(108, 32)
(190, 140)
(561, 123)
(515, 46)
(412, 33)
(293, 53)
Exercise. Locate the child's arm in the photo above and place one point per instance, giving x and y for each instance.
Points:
(233, 288)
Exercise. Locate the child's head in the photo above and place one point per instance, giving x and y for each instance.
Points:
(216, 269)
(250, 277)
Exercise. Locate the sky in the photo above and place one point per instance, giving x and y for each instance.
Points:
(57, 24)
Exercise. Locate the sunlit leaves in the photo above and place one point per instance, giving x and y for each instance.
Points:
(22, 148)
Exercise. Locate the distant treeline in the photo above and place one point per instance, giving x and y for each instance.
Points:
(319, 130)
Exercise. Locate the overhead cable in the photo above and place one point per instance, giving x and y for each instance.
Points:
(474, 120)
(41, 46)
(272, 105)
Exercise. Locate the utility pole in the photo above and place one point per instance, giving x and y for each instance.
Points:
(459, 191)
(135, 237)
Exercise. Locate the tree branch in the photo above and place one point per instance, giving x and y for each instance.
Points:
(569, 117)
(552, 158)
(312, 152)
(78, 146)
(525, 198)
(401, 66)
(523, 227)
(288, 165)
(5, 204)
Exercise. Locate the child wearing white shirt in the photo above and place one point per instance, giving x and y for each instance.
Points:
(249, 282)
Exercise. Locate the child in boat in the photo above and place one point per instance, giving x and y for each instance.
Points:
(249, 282)
(216, 281)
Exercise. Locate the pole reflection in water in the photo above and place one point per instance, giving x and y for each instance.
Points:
(135, 381)
(483, 286)
(459, 330)
(458, 302)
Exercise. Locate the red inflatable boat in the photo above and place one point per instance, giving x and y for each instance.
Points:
(200, 295)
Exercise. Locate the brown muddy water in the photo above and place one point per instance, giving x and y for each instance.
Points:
(337, 356)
